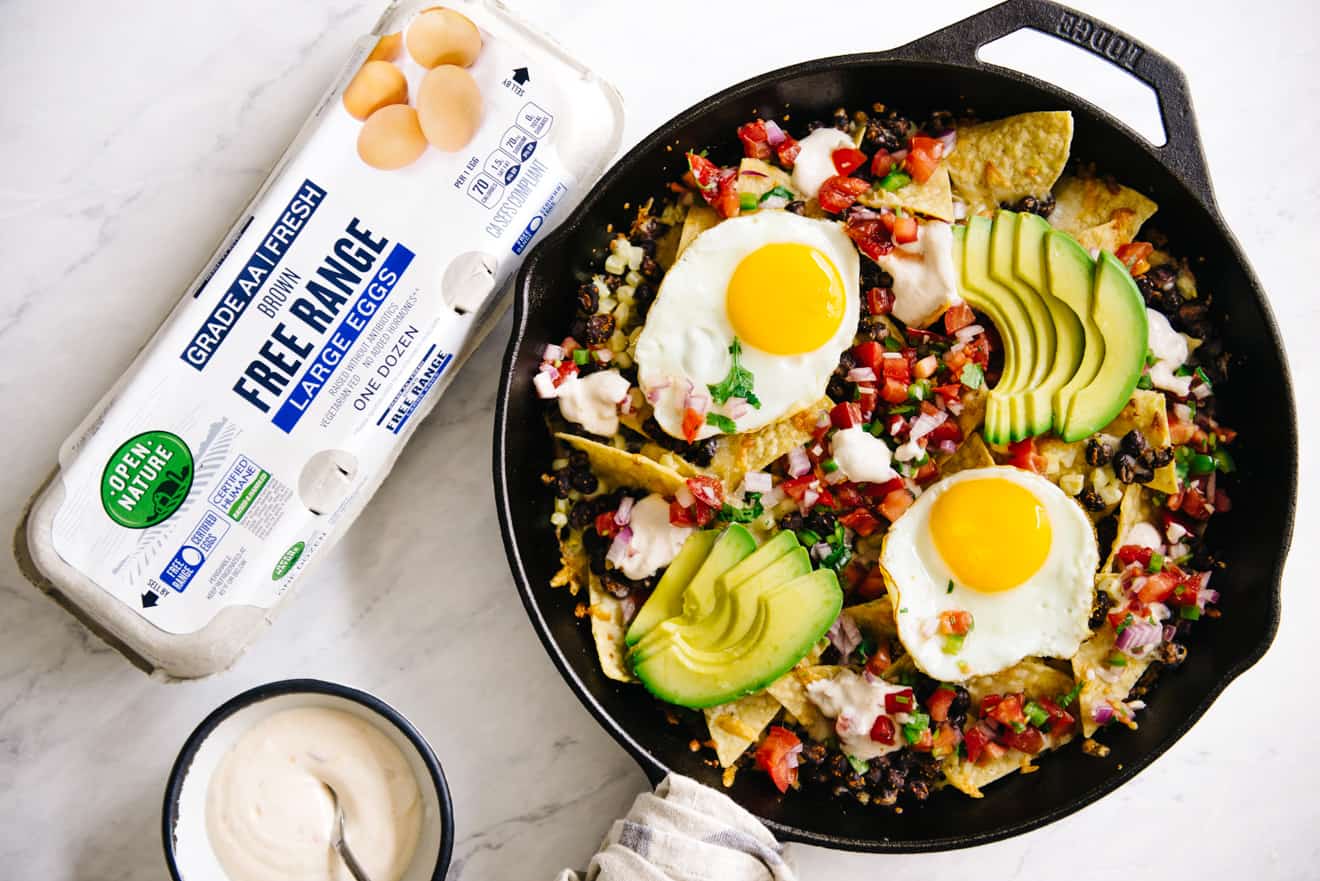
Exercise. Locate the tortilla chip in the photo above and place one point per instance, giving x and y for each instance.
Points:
(607, 630)
(700, 217)
(1062, 457)
(1145, 411)
(791, 691)
(573, 569)
(1002, 161)
(900, 670)
(736, 726)
(875, 619)
(1107, 213)
(758, 177)
(1102, 683)
(736, 454)
(1136, 507)
(622, 468)
(973, 412)
(968, 778)
(934, 198)
(971, 453)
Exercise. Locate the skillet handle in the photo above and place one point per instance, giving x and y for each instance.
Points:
(959, 42)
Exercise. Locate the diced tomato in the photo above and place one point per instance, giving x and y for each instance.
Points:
(900, 702)
(905, 229)
(956, 622)
(871, 354)
(948, 430)
(1185, 593)
(847, 160)
(845, 414)
(718, 186)
(869, 234)
(894, 391)
(705, 174)
(1195, 505)
(1022, 454)
(938, 703)
(692, 422)
(1129, 554)
(755, 141)
(795, 488)
(848, 495)
(706, 490)
(994, 750)
(866, 398)
(605, 524)
(957, 317)
(1061, 721)
(787, 151)
(1135, 256)
(838, 193)
(883, 730)
(879, 661)
(873, 586)
(703, 515)
(978, 350)
(680, 516)
(567, 369)
(895, 504)
(1117, 618)
(1029, 740)
(1008, 710)
(853, 574)
(1157, 588)
(860, 521)
(896, 368)
(772, 756)
(923, 158)
(927, 473)
(880, 301)
(945, 741)
(880, 490)
(881, 163)
(976, 738)
(950, 392)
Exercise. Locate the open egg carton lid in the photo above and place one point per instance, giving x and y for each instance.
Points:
(258, 421)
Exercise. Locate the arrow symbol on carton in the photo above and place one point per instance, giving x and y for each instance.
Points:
(521, 76)
(149, 599)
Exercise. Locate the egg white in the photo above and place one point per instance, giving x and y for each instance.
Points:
(1045, 616)
(687, 334)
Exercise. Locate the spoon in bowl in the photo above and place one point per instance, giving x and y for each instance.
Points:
(338, 842)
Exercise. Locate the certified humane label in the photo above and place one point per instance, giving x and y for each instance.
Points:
(269, 406)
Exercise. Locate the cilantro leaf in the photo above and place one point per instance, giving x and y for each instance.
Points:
(746, 514)
(972, 376)
(738, 384)
(781, 192)
(723, 423)
(861, 766)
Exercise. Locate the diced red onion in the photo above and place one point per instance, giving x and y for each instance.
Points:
(545, 385)
(965, 334)
(1103, 714)
(603, 355)
(774, 135)
(1168, 632)
(772, 498)
(947, 447)
(551, 352)
(736, 408)
(836, 477)
(955, 407)
(547, 367)
(618, 551)
(748, 172)
(772, 202)
(959, 209)
(843, 633)
(820, 550)
(799, 463)
(926, 423)
(861, 374)
(1137, 636)
(791, 756)
(891, 355)
(757, 481)
(624, 514)
(809, 498)
(684, 497)
(949, 139)
(1201, 392)
(1206, 597)
(1182, 412)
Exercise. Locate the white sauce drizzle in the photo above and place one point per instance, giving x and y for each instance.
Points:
(815, 161)
(925, 281)
(862, 457)
(1170, 350)
(854, 704)
(593, 401)
(655, 541)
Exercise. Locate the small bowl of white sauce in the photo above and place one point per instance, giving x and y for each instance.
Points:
(249, 797)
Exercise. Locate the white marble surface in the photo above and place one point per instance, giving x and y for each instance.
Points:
(133, 131)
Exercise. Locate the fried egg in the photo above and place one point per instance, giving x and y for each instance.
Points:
(784, 286)
(1008, 547)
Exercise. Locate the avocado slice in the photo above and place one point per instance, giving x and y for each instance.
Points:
(789, 618)
(666, 601)
(1015, 329)
(733, 546)
(1007, 242)
(1120, 313)
(1034, 415)
(700, 595)
(730, 613)
(1070, 272)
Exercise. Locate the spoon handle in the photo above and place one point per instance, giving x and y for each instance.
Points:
(354, 868)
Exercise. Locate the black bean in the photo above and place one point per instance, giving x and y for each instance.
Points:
(821, 522)
(1192, 319)
(588, 298)
(584, 481)
(1100, 607)
(1134, 442)
(1041, 205)
(613, 282)
(600, 328)
(1098, 452)
(647, 228)
(797, 206)
(1091, 500)
(643, 293)
(840, 119)
(578, 329)
(650, 268)
(1171, 654)
(792, 522)
(886, 134)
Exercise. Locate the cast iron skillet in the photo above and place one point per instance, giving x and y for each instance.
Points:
(939, 71)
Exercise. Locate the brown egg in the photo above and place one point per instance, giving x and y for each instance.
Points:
(449, 107)
(387, 48)
(391, 138)
(442, 36)
(376, 85)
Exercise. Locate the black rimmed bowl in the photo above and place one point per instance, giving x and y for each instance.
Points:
(938, 72)
(183, 821)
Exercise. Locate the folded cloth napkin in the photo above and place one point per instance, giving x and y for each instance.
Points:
(685, 831)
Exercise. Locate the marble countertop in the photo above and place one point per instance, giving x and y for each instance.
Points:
(133, 133)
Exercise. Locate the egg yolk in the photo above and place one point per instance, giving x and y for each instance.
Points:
(786, 299)
(993, 534)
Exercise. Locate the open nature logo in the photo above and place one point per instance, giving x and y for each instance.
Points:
(147, 479)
